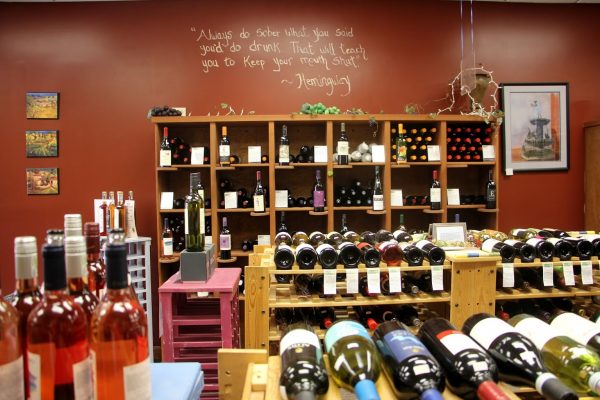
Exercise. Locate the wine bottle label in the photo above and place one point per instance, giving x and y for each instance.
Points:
(489, 244)
(82, 379)
(378, 202)
(300, 337)
(512, 242)
(578, 328)
(403, 345)
(401, 234)
(116, 219)
(534, 241)
(34, 364)
(489, 329)
(259, 203)
(537, 330)
(224, 151)
(324, 247)
(225, 242)
(456, 341)
(136, 381)
(303, 246)
(319, 198)
(11, 379)
(284, 153)
(342, 148)
(341, 330)
(167, 246)
(283, 237)
(202, 221)
(201, 193)
(165, 158)
(423, 244)
(185, 221)
(435, 195)
(130, 219)
(553, 240)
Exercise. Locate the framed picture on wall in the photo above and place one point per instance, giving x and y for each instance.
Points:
(536, 127)
(42, 105)
(42, 180)
(41, 144)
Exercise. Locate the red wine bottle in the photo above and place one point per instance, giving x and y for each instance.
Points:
(370, 255)
(583, 248)
(435, 255)
(544, 250)
(562, 249)
(470, 371)
(390, 252)
(435, 192)
(327, 255)
(490, 191)
(284, 259)
(519, 361)
(525, 252)
(506, 251)
(410, 367)
(412, 254)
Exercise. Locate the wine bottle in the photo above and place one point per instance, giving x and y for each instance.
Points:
(470, 371)
(27, 296)
(283, 237)
(343, 146)
(76, 264)
(224, 148)
(259, 195)
(408, 315)
(525, 252)
(370, 255)
(519, 282)
(299, 237)
(413, 255)
(352, 237)
(562, 249)
(112, 207)
(578, 328)
(334, 238)
(234, 159)
(119, 212)
(490, 191)
(522, 234)
(119, 326)
(284, 147)
(327, 256)
(96, 270)
(519, 361)
(401, 145)
(369, 237)
(164, 158)
(316, 238)
(543, 249)
(57, 335)
(506, 251)
(383, 235)
(377, 192)
(353, 357)
(434, 254)
(325, 316)
(349, 255)
(344, 228)
(390, 252)
(167, 240)
(225, 241)
(582, 248)
(318, 194)
(12, 367)
(369, 317)
(306, 256)
(194, 217)
(435, 192)
(303, 373)
(401, 236)
(408, 364)
(282, 227)
(410, 285)
(552, 232)
(284, 259)
(576, 365)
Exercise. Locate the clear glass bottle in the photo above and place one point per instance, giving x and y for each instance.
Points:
(76, 264)
(194, 237)
(95, 264)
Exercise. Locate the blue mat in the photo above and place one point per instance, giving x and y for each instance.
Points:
(177, 381)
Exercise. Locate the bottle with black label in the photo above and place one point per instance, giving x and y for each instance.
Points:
(506, 251)
(490, 191)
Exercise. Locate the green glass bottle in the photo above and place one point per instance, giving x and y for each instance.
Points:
(194, 216)
(353, 358)
(578, 366)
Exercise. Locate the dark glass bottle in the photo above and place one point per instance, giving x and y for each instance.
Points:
(224, 148)
(434, 254)
(383, 235)
(259, 195)
(544, 250)
(435, 194)
(194, 214)
(490, 191)
(343, 148)
(506, 251)
(284, 147)
(349, 255)
(284, 259)
(583, 248)
(327, 255)
(411, 254)
(378, 202)
(370, 255)
(562, 249)
(225, 241)
(306, 256)
(525, 252)
(318, 194)
(282, 227)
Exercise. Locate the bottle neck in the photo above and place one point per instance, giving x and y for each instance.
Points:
(27, 285)
(76, 285)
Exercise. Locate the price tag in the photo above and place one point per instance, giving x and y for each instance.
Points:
(395, 279)
(329, 279)
(437, 277)
(373, 280)
(197, 155)
(435, 195)
(547, 274)
(587, 277)
(508, 275)
(320, 154)
(351, 280)
(568, 273)
(166, 200)
(378, 153)
(433, 153)
(489, 153)
(453, 197)
(231, 200)
(264, 240)
(254, 154)
(397, 200)
(281, 198)
(208, 239)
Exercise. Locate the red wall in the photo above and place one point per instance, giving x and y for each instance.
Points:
(112, 61)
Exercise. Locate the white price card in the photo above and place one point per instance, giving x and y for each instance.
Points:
(433, 153)
(453, 197)
(373, 280)
(489, 152)
(396, 199)
(208, 239)
(264, 240)
(166, 200)
(587, 277)
(320, 154)
(351, 280)
(437, 277)
(254, 154)
(281, 198)
(231, 200)
(508, 275)
(378, 153)
(547, 274)
(395, 279)
(197, 155)
(568, 273)
(329, 279)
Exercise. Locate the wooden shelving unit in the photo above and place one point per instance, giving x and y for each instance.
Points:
(305, 130)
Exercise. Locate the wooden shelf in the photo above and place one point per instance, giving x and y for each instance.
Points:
(260, 214)
(513, 294)
(318, 212)
(207, 212)
(430, 211)
(294, 209)
(250, 165)
(366, 164)
(417, 164)
(555, 262)
(336, 166)
(166, 169)
(284, 167)
(466, 206)
(241, 210)
(409, 207)
(488, 210)
(318, 270)
(456, 164)
(372, 212)
(355, 300)
(352, 208)
(228, 261)
(190, 166)
(172, 260)
(240, 253)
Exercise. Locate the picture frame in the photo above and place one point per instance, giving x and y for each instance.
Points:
(42, 181)
(536, 127)
(42, 105)
(41, 143)
(449, 235)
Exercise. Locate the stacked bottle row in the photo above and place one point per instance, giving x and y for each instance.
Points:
(117, 213)
(85, 315)
(258, 199)
(546, 308)
(175, 151)
(465, 144)
(544, 278)
(525, 351)
(410, 145)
